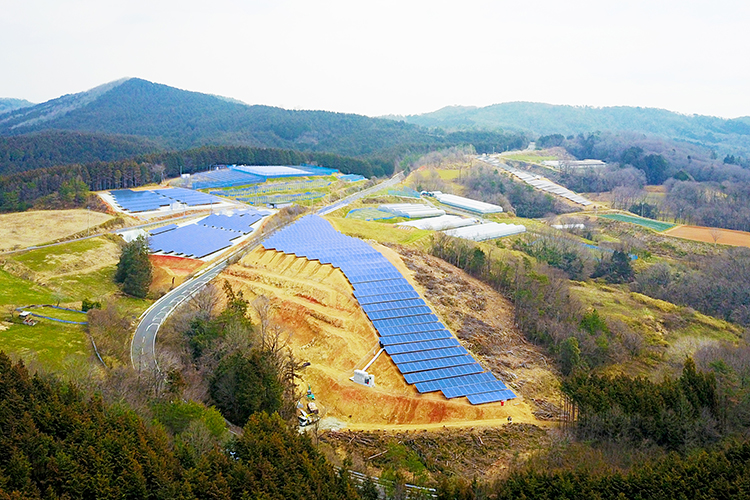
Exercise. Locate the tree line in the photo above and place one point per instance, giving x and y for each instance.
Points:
(59, 442)
(22, 190)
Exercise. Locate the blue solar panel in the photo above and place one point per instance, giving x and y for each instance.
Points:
(409, 357)
(434, 364)
(464, 390)
(415, 337)
(163, 229)
(422, 348)
(397, 349)
(383, 289)
(490, 397)
(409, 320)
(398, 313)
(438, 385)
(384, 306)
(193, 240)
(387, 331)
(453, 371)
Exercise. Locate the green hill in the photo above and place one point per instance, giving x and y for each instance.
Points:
(545, 119)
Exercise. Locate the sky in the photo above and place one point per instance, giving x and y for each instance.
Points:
(389, 57)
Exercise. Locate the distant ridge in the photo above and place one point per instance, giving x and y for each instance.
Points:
(9, 104)
(544, 119)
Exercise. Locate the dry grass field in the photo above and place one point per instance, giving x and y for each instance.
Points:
(711, 235)
(24, 229)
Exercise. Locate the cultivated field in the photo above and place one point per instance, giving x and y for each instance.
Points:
(711, 235)
(641, 221)
(24, 229)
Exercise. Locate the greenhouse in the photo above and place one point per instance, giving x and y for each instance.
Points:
(412, 210)
(489, 231)
(440, 223)
(468, 204)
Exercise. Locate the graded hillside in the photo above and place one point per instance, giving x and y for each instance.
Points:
(25, 229)
(332, 333)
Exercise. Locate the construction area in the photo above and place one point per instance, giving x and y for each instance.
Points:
(332, 332)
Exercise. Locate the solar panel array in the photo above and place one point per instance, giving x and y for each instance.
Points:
(146, 201)
(207, 236)
(139, 201)
(422, 348)
(224, 177)
(537, 181)
(188, 196)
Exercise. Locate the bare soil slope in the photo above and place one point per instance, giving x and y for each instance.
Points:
(330, 330)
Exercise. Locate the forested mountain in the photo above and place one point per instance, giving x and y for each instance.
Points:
(178, 119)
(545, 119)
(52, 148)
(8, 104)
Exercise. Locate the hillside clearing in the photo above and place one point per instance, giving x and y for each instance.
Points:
(24, 229)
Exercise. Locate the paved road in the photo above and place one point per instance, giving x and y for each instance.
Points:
(143, 345)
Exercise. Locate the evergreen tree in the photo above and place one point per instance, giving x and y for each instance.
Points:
(134, 270)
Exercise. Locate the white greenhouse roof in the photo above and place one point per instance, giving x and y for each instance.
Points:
(412, 210)
(467, 203)
(488, 231)
(538, 181)
(439, 223)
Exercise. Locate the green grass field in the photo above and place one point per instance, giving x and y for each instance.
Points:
(44, 259)
(17, 292)
(649, 223)
(53, 345)
(384, 233)
(530, 158)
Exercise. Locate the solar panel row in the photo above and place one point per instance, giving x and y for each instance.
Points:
(144, 201)
(465, 390)
(426, 346)
(384, 306)
(490, 397)
(440, 384)
(425, 352)
(434, 364)
(409, 357)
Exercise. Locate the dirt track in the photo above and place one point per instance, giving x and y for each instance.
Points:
(315, 302)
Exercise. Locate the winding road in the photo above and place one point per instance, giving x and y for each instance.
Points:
(143, 345)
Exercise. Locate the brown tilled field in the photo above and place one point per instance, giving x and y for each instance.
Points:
(332, 332)
(24, 229)
(711, 235)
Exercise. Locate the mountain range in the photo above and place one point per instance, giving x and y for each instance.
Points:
(179, 119)
(131, 116)
(543, 119)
